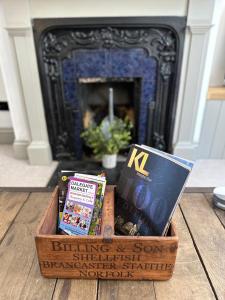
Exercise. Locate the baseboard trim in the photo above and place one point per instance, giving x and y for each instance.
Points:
(20, 149)
(186, 150)
(6, 136)
(39, 153)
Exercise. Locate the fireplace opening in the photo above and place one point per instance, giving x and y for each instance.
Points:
(93, 94)
(94, 100)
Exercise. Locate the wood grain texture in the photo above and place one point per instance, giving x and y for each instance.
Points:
(125, 290)
(219, 212)
(209, 237)
(104, 256)
(36, 286)
(17, 253)
(76, 289)
(20, 276)
(10, 204)
(189, 280)
(107, 229)
(49, 219)
(216, 93)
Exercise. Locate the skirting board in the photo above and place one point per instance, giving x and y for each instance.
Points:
(39, 153)
(186, 150)
(20, 149)
(6, 136)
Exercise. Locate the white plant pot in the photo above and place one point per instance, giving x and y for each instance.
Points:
(109, 161)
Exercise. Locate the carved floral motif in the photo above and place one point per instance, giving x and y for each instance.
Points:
(160, 43)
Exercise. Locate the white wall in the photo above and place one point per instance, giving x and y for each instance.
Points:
(5, 120)
(6, 131)
(218, 67)
(212, 140)
(115, 8)
(2, 89)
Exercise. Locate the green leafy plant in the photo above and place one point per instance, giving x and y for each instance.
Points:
(108, 140)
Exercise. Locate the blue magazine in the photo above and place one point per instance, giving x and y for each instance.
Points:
(149, 188)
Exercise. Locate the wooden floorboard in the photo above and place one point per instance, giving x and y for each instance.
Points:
(219, 212)
(10, 204)
(19, 275)
(125, 290)
(76, 289)
(189, 280)
(209, 238)
(36, 286)
(199, 271)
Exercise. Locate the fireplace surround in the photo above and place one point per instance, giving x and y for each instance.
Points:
(147, 49)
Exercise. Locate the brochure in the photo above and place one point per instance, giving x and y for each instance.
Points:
(79, 205)
(95, 227)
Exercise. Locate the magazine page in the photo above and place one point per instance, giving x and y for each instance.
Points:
(185, 162)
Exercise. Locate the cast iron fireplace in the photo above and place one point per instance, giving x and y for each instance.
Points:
(138, 56)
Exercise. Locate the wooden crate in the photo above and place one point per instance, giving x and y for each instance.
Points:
(105, 256)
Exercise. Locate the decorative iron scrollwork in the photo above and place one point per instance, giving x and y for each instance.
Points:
(158, 42)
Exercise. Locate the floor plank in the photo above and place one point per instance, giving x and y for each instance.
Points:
(125, 290)
(219, 212)
(189, 280)
(10, 204)
(209, 237)
(19, 271)
(75, 289)
(18, 253)
(36, 286)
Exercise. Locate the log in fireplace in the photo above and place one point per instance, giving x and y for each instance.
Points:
(79, 59)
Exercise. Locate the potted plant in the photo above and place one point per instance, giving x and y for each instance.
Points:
(107, 139)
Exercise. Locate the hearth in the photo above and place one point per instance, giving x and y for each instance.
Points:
(79, 59)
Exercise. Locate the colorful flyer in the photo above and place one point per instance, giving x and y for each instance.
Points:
(79, 205)
(95, 227)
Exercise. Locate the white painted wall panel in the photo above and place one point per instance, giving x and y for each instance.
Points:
(90, 8)
(5, 120)
(212, 140)
(218, 144)
(212, 112)
(2, 89)
(218, 67)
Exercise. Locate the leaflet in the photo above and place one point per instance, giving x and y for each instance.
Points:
(78, 209)
(96, 222)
